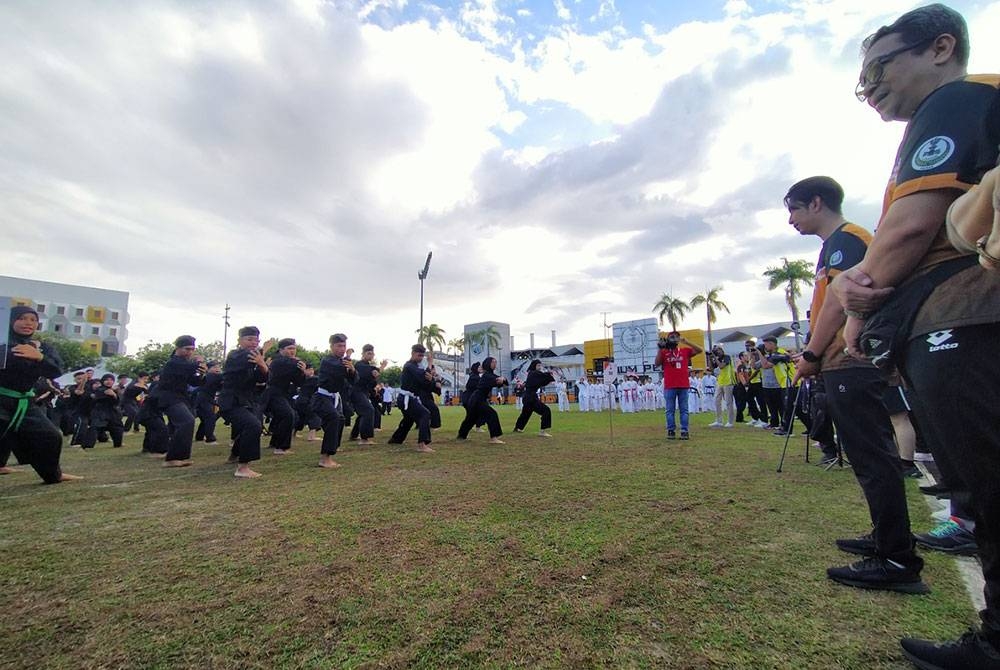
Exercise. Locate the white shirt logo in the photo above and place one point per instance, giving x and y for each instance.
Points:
(932, 153)
(939, 337)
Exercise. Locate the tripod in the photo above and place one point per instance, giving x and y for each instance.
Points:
(839, 462)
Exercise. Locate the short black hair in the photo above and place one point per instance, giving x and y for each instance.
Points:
(337, 338)
(827, 188)
(922, 25)
(418, 349)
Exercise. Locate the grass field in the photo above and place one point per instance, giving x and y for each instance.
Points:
(567, 552)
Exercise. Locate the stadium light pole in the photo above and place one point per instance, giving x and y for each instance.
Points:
(422, 275)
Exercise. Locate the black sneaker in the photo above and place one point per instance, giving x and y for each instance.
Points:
(685, 435)
(912, 472)
(950, 538)
(781, 432)
(671, 435)
(862, 546)
(934, 490)
(969, 652)
(879, 573)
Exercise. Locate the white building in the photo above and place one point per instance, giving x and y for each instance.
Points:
(94, 316)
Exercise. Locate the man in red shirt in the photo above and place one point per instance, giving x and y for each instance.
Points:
(675, 361)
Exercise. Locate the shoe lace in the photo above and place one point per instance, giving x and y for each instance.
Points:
(945, 529)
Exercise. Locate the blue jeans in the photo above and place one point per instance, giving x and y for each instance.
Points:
(676, 397)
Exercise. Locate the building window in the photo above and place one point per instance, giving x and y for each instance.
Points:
(114, 316)
(79, 311)
(113, 332)
(57, 327)
(61, 311)
(41, 309)
(95, 331)
(77, 330)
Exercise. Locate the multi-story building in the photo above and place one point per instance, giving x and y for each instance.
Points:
(96, 317)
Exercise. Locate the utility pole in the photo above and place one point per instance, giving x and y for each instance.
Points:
(225, 330)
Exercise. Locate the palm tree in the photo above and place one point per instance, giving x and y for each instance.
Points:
(456, 345)
(710, 299)
(789, 275)
(430, 335)
(672, 308)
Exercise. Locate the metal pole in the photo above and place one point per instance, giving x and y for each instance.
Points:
(225, 331)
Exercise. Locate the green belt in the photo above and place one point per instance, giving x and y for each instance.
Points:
(22, 407)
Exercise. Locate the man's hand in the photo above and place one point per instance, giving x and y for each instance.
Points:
(853, 290)
(852, 333)
(804, 369)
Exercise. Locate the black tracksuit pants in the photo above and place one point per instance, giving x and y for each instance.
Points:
(951, 373)
(854, 401)
(414, 413)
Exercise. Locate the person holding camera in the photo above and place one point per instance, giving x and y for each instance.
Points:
(725, 380)
(755, 386)
(674, 358)
(773, 364)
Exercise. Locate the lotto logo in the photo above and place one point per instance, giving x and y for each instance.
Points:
(937, 341)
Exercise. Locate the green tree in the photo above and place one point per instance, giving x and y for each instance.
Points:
(672, 308)
(391, 375)
(149, 358)
(791, 275)
(431, 335)
(74, 354)
(211, 351)
(710, 299)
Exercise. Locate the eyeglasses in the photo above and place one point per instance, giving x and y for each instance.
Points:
(875, 70)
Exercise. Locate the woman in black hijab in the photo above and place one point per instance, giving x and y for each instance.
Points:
(24, 428)
(478, 406)
(537, 379)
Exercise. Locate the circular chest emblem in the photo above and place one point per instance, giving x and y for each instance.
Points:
(633, 339)
(837, 258)
(933, 153)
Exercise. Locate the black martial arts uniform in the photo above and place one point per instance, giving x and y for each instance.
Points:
(24, 428)
(172, 399)
(361, 398)
(204, 407)
(478, 406)
(334, 380)
(238, 404)
(283, 378)
(412, 382)
(106, 415)
(532, 403)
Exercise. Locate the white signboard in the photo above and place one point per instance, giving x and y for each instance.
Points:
(635, 346)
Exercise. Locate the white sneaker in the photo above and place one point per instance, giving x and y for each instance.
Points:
(727, 425)
(715, 424)
(544, 433)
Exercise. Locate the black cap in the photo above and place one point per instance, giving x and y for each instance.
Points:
(285, 342)
(184, 341)
(249, 330)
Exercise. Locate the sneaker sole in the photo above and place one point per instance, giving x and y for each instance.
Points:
(917, 588)
(920, 663)
(857, 551)
(960, 550)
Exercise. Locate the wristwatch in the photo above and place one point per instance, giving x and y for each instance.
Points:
(810, 357)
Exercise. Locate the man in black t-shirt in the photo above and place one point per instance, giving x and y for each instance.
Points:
(915, 71)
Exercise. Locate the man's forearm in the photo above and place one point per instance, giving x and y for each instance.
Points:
(904, 235)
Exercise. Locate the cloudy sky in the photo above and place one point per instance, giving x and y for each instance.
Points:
(561, 158)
